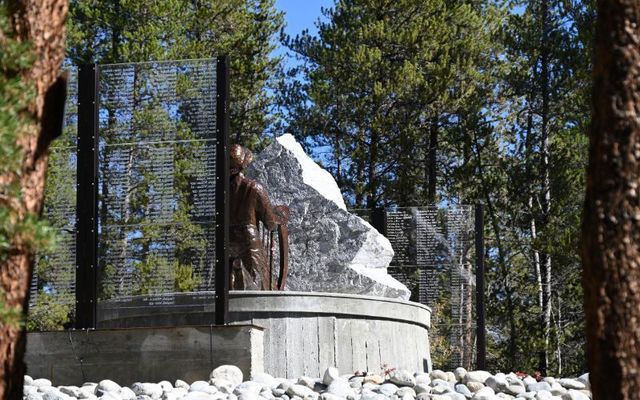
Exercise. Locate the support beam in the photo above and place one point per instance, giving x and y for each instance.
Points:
(222, 191)
(481, 341)
(86, 197)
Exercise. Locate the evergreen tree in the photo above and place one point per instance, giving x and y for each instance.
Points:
(378, 85)
(131, 31)
(610, 232)
(31, 91)
(120, 31)
(527, 141)
(501, 120)
(548, 53)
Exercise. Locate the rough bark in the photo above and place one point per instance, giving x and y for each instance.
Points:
(42, 24)
(611, 225)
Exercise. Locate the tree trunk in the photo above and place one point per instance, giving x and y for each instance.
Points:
(467, 344)
(432, 161)
(360, 160)
(502, 262)
(611, 225)
(558, 332)
(546, 180)
(42, 24)
(372, 184)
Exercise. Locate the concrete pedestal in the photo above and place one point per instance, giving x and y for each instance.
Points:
(304, 333)
(143, 354)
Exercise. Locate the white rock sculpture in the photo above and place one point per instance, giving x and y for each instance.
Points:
(330, 249)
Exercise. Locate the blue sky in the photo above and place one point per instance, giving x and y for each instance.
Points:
(300, 15)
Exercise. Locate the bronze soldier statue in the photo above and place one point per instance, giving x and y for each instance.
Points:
(249, 204)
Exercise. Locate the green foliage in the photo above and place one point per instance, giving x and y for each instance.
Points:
(375, 80)
(185, 280)
(150, 274)
(15, 95)
(49, 313)
(507, 91)
(18, 228)
(9, 316)
(146, 30)
(441, 347)
(522, 150)
(154, 270)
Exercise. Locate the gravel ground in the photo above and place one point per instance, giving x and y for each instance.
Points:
(227, 383)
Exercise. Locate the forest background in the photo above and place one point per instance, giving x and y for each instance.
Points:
(410, 103)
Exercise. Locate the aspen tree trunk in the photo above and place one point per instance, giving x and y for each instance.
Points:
(502, 262)
(40, 23)
(533, 227)
(546, 182)
(611, 224)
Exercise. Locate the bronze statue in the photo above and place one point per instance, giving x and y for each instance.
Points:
(251, 266)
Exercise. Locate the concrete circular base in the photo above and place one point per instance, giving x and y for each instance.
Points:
(304, 333)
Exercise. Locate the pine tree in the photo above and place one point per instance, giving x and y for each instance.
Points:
(548, 52)
(117, 31)
(610, 231)
(31, 91)
(379, 85)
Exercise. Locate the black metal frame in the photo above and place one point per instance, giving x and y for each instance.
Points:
(481, 341)
(222, 191)
(86, 197)
(379, 219)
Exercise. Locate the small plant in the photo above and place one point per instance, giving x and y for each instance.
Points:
(50, 313)
(387, 370)
(186, 280)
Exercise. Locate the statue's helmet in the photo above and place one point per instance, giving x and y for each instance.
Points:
(240, 158)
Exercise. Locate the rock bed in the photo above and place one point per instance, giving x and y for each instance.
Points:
(226, 383)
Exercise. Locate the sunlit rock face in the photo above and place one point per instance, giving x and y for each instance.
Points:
(330, 249)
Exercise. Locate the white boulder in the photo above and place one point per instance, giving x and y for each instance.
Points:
(330, 249)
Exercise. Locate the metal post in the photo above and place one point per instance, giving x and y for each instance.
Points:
(86, 198)
(379, 220)
(481, 341)
(222, 191)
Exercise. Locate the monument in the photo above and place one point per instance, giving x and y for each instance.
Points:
(156, 226)
(330, 249)
(249, 205)
(339, 308)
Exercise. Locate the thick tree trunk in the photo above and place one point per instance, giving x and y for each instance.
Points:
(611, 225)
(42, 24)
